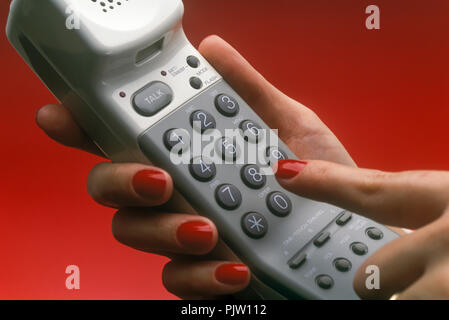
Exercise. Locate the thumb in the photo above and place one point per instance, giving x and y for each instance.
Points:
(406, 199)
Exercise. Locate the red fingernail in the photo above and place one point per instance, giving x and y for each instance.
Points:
(232, 274)
(150, 183)
(287, 169)
(195, 235)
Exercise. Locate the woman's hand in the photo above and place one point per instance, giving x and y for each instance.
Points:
(200, 266)
(416, 265)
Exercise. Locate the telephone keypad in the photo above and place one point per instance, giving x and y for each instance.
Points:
(243, 195)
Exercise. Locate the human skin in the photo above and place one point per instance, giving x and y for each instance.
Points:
(152, 217)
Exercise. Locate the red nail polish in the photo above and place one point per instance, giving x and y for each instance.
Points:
(287, 169)
(150, 183)
(195, 235)
(232, 274)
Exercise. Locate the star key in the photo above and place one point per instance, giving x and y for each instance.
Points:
(254, 225)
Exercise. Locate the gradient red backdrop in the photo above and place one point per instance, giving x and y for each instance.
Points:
(384, 93)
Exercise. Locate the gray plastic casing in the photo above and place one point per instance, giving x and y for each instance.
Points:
(89, 68)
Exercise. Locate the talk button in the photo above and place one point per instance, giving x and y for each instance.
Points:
(151, 99)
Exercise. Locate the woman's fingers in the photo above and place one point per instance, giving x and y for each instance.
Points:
(129, 185)
(57, 122)
(299, 127)
(250, 84)
(408, 264)
(406, 199)
(191, 279)
(164, 233)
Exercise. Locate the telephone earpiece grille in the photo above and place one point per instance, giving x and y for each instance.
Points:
(107, 5)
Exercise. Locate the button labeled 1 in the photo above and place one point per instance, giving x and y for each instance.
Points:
(177, 140)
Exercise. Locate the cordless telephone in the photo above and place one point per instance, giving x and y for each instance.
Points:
(143, 93)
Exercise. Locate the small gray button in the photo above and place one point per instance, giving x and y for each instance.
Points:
(374, 233)
(227, 105)
(227, 148)
(193, 61)
(359, 248)
(196, 83)
(322, 239)
(274, 154)
(151, 99)
(203, 119)
(254, 225)
(252, 176)
(342, 264)
(343, 218)
(203, 169)
(252, 132)
(324, 281)
(297, 260)
(228, 196)
(177, 140)
(279, 204)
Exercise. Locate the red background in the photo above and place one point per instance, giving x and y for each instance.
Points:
(384, 93)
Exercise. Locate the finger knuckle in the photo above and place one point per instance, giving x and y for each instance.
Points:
(372, 183)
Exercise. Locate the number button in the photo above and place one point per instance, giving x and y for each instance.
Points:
(226, 105)
(177, 140)
(227, 149)
(254, 225)
(274, 154)
(228, 196)
(202, 169)
(252, 176)
(279, 204)
(202, 120)
(252, 132)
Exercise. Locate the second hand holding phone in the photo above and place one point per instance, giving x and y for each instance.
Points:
(141, 91)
